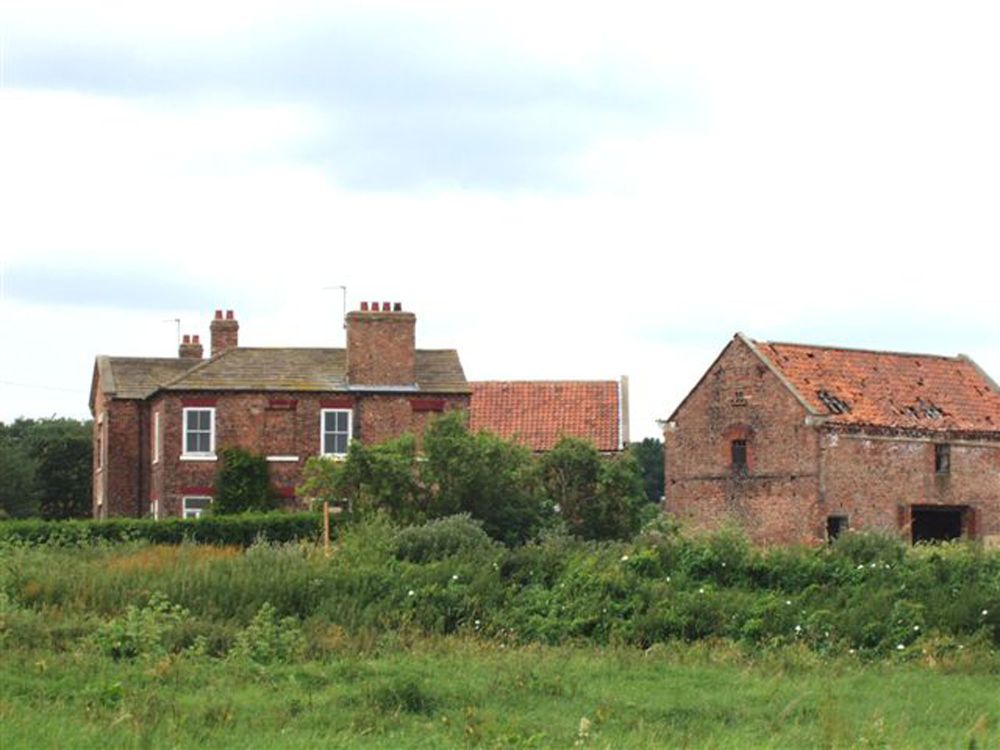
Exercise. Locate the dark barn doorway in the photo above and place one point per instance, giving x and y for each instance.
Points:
(936, 523)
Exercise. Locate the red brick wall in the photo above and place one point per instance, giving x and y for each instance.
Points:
(775, 501)
(870, 477)
(118, 477)
(380, 348)
(798, 475)
(273, 424)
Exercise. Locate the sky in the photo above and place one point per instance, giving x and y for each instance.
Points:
(557, 190)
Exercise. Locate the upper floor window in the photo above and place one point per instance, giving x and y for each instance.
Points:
(199, 431)
(942, 458)
(738, 456)
(335, 431)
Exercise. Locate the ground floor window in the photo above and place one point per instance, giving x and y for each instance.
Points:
(936, 523)
(193, 507)
(835, 526)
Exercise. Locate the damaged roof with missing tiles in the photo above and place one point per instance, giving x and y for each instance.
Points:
(889, 389)
(539, 413)
(260, 369)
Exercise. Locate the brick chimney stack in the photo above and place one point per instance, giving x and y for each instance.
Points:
(191, 347)
(380, 345)
(225, 332)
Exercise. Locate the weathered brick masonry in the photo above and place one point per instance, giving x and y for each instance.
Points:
(796, 443)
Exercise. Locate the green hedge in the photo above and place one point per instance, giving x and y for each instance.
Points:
(242, 530)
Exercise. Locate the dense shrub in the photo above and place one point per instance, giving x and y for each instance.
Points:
(242, 530)
(242, 483)
(442, 538)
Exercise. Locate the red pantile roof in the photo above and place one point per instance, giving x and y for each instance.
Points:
(887, 389)
(539, 413)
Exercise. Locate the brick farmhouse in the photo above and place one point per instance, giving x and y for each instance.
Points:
(158, 422)
(799, 443)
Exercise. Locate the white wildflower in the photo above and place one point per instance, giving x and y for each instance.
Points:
(798, 628)
(410, 592)
(985, 612)
(701, 591)
(624, 558)
(900, 646)
(788, 602)
(455, 577)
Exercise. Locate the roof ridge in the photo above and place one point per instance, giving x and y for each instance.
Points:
(198, 367)
(860, 350)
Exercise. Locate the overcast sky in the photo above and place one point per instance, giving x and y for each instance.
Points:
(556, 190)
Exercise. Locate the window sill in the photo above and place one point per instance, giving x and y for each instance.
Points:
(334, 456)
(283, 459)
(198, 457)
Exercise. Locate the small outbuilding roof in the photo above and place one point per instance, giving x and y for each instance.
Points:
(539, 413)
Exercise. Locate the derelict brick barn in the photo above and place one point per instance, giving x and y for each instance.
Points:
(797, 443)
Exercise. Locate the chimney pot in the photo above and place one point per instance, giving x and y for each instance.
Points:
(229, 314)
(364, 307)
(397, 306)
(218, 314)
(196, 339)
(386, 307)
(187, 338)
(374, 306)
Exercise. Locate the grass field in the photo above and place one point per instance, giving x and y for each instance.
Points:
(457, 692)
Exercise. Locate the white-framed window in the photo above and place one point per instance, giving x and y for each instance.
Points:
(199, 431)
(334, 431)
(193, 507)
(156, 437)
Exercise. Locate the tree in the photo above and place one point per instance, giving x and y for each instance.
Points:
(379, 477)
(60, 464)
(649, 454)
(18, 488)
(491, 479)
(242, 483)
(598, 497)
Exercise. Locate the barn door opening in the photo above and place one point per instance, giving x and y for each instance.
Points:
(936, 523)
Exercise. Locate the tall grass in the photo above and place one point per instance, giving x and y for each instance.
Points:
(870, 595)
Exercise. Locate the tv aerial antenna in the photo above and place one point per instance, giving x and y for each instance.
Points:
(343, 299)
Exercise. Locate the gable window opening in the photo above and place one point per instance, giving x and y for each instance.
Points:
(199, 432)
(942, 459)
(194, 507)
(335, 431)
(738, 455)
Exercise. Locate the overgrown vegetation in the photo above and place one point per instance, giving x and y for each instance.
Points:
(870, 595)
(512, 493)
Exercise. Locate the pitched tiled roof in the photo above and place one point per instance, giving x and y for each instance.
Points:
(539, 413)
(255, 369)
(138, 377)
(889, 390)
